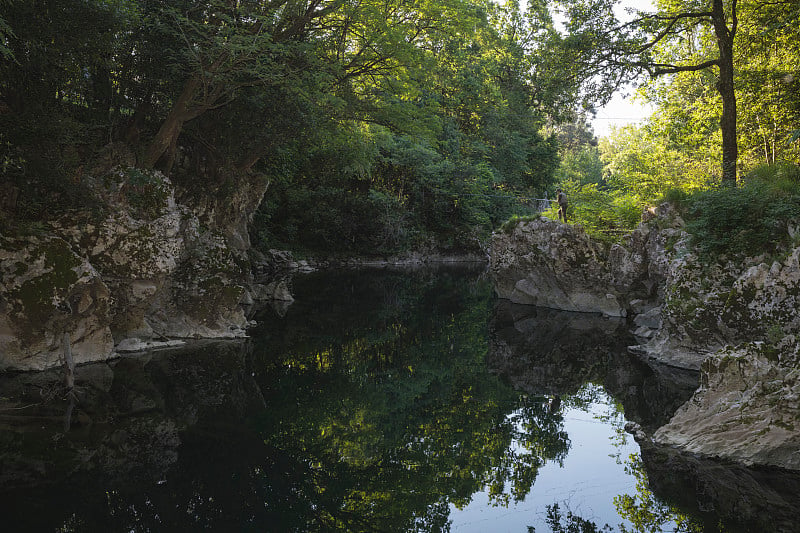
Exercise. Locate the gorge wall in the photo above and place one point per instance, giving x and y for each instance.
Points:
(141, 269)
(737, 322)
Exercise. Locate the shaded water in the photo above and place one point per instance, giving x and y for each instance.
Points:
(378, 401)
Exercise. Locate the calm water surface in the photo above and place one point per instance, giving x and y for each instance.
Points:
(377, 401)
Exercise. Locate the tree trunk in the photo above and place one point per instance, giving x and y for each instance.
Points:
(730, 149)
(248, 161)
(166, 140)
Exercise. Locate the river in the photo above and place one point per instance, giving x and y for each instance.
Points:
(380, 400)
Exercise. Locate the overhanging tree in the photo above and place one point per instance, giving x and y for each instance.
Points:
(229, 46)
(605, 53)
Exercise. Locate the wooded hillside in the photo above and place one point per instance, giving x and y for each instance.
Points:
(386, 126)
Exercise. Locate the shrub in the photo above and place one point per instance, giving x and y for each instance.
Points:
(510, 225)
(749, 220)
(677, 197)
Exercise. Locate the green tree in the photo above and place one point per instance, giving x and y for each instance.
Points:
(767, 80)
(418, 121)
(640, 161)
(54, 96)
(677, 146)
(224, 48)
(578, 153)
(600, 46)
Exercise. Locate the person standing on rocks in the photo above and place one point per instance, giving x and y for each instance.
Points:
(562, 205)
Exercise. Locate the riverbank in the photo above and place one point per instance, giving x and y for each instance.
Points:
(151, 265)
(737, 323)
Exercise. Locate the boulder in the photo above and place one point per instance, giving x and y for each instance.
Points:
(546, 263)
(746, 409)
(549, 264)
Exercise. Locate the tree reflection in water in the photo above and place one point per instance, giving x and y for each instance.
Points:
(390, 409)
(378, 402)
(647, 513)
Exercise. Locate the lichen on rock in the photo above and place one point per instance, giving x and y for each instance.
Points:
(747, 408)
(57, 293)
(143, 269)
(736, 321)
(541, 262)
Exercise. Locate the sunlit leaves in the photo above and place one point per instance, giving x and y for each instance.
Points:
(639, 162)
(646, 512)
(680, 143)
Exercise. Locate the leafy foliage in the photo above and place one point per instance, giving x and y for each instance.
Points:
(570, 523)
(406, 123)
(646, 512)
(679, 146)
(606, 214)
(748, 220)
(145, 192)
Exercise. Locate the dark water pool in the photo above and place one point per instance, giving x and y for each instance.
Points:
(378, 401)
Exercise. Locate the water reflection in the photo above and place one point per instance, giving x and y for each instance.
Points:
(544, 351)
(394, 397)
(148, 444)
(713, 495)
(367, 405)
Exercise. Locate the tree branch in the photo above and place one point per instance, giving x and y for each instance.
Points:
(668, 30)
(672, 69)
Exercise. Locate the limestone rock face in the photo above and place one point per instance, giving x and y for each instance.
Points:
(542, 262)
(747, 408)
(642, 265)
(202, 297)
(46, 290)
(736, 301)
(545, 263)
(147, 270)
(226, 206)
(170, 276)
(706, 307)
(737, 321)
(684, 309)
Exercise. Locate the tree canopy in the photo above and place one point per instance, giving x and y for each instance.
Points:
(424, 116)
(674, 53)
(386, 126)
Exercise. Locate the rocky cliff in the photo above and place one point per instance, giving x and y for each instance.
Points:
(139, 270)
(735, 321)
(544, 263)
